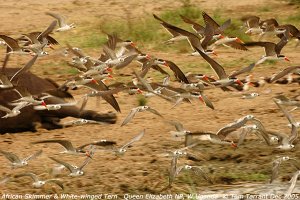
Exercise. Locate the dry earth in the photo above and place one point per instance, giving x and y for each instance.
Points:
(142, 169)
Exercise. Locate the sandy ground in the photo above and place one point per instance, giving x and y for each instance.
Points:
(143, 169)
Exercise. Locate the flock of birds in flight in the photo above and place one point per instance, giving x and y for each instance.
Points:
(118, 53)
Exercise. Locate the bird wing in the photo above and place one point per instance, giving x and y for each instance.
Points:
(5, 179)
(4, 80)
(127, 60)
(10, 156)
(89, 158)
(253, 22)
(31, 38)
(56, 181)
(283, 73)
(60, 19)
(178, 125)
(33, 156)
(147, 64)
(75, 51)
(243, 70)
(46, 32)
(143, 82)
(20, 105)
(22, 91)
(130, 116)
(112, 40)
(5, 109)
(32, 175)
(208, 36)
(99, 143)
(295, 163)
(293, 183)
(172, 32)
(199, 172)
(65, 143)
(243, 135)
(261, 130)
(11, 43)
(178, 169)
(25, 68)
(177, 72)
(154, 111)
(136, 138)
(281, 44)
(269, 47)
(67, 165)
(109, 98)
(285, 112)
(197, 27)
(237, 45)
(173, 170)
(208, 20)
(224, 131)
(294, 134)
(218, 69)
(193, 39)
(224, 26)
(84, 102)
(207, 102)
(275, 169)
(109, 52)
